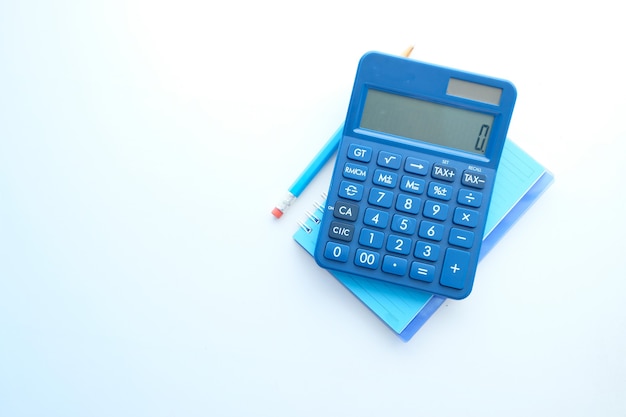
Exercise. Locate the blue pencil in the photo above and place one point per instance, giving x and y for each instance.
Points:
(309, 173)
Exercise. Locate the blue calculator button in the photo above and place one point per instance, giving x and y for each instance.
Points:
(371, 238)
(469, 198)
(336, 252)
(346, 211)
(403, 224)
(408, 203)
(430, 230)
(455, 268)
(341, 231)
(399, 244)
(435, 210)
(385, 178)
(473, 179)
(465, 217)
(351, 190)
(427, 251)
(367, 259)
(376, 218)
(439, 191)
(461, 237)
(394, 265)
(443, 172)
(423, 272)
(355, 171)
(416, 166)
(389, 160)
(360, 153)
(412, 184)
(380, 197)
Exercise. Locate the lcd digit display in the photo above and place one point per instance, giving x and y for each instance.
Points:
(426, 121)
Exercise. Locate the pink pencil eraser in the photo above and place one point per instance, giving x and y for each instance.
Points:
(277, 212)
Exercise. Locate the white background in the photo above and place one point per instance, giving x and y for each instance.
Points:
(144, 143)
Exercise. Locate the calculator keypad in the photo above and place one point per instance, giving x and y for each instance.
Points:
(406, 218)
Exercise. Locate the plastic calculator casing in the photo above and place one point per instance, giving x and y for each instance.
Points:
(406, 210)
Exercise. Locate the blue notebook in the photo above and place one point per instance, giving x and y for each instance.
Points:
(519, 182)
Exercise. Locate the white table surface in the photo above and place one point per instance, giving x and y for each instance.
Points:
(143, 145)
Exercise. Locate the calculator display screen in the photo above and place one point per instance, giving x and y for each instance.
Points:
(426, 121)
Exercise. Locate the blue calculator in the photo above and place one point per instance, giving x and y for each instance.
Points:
(414, 174)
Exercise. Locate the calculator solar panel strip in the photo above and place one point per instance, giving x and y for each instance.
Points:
(414, 174)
